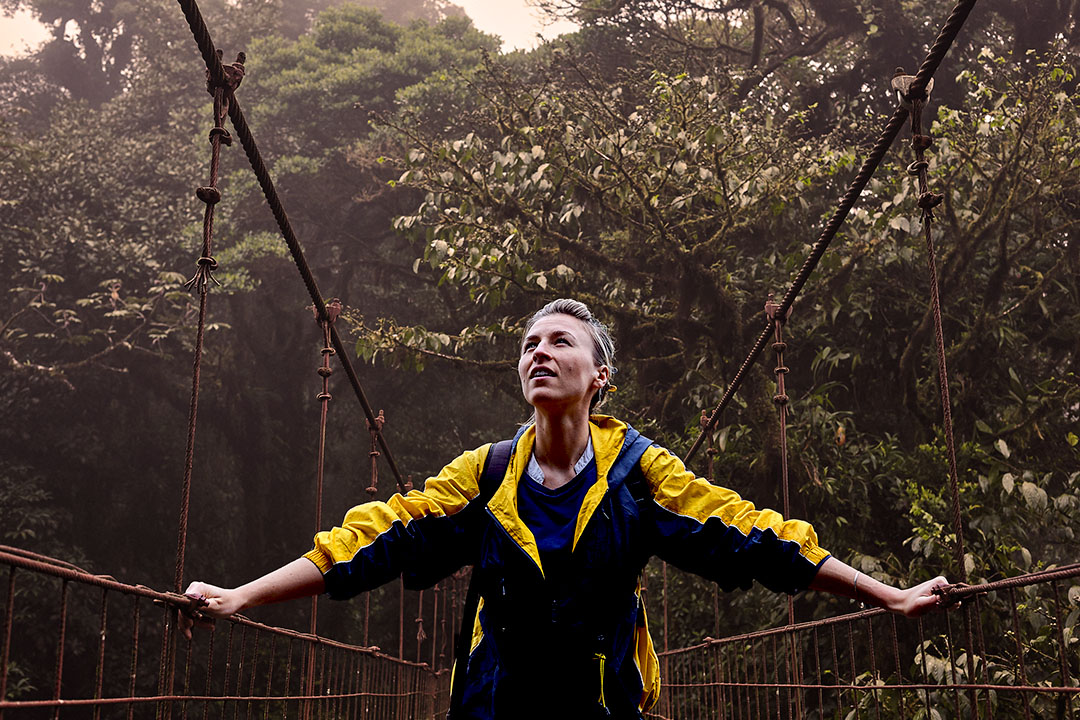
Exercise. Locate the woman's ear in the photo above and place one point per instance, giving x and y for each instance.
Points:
(603, 374)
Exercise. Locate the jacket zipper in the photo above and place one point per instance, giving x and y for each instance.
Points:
(602, 700)
(514, 542)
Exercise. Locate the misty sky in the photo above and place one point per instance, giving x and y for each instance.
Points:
(513, 20)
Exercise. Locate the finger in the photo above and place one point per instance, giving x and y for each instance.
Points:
(185, 625)
(196, 588)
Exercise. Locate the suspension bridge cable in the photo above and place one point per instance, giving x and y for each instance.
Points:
(217, 74)
(917, 90)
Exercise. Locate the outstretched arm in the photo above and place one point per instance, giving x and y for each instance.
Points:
(839, 578)
(300, 578)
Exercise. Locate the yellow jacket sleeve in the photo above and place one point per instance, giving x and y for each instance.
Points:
(423, 534)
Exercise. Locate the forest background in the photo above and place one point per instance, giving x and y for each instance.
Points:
(670, 164)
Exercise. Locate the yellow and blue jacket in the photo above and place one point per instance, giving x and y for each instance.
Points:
(578, 644)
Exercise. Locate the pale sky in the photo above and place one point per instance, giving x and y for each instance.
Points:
(514, 21)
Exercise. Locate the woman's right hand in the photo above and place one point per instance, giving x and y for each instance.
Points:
(212, 601)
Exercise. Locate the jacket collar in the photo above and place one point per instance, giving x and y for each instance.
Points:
(607, 435)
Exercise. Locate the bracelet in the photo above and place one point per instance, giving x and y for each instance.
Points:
(855, 584)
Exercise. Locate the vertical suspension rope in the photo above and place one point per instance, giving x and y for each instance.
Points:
(333, 310)
(919, 169)
(401, 588)
(421, 636)
(664, 591)
(436, 592)
(710, 475)
(781, 401)
(375, 428)
(5, 645)
(60, 646)
(772, 311)
(200, 281)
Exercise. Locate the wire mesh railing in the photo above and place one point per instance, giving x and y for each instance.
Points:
(74, 644)
(1009, 650)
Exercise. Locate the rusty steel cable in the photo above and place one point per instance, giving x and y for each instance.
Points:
(209, 195)
(780, 399)
(5, 648)
(920, 143)
(929, 66)
(216, 71)
(333, 310)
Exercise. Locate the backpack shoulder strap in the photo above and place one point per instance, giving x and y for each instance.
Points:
(495, 464)
(627, 467)
(498, 459)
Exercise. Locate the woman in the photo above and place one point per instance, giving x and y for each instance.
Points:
(559, 548)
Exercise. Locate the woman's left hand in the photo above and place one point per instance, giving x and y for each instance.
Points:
(918, 600)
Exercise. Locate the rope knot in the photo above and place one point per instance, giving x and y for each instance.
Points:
(917, 167)
(222, 134)
(771, 310)
(901, 83)
(325, 372)
(204, 274)
(323, 395)
(922, 142)
(233, 74)
(209, 194)
(333, 311)
(780, 399)
(930, 200)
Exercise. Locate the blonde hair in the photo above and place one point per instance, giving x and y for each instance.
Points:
(603, 344)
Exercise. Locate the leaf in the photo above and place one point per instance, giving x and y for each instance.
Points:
(1072, 439)
(1008, 482)
(983, 427)
(1003, 448)
(1034, 495)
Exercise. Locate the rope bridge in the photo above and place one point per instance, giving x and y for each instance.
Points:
(114, 650)
(116, 653)
(979, 661)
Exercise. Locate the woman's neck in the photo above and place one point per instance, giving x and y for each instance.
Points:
(560, 441)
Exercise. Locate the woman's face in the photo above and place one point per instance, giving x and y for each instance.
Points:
(556, 368)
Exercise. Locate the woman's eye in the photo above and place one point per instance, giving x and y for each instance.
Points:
(564, 341)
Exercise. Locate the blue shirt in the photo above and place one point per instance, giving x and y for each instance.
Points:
(551, 515)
